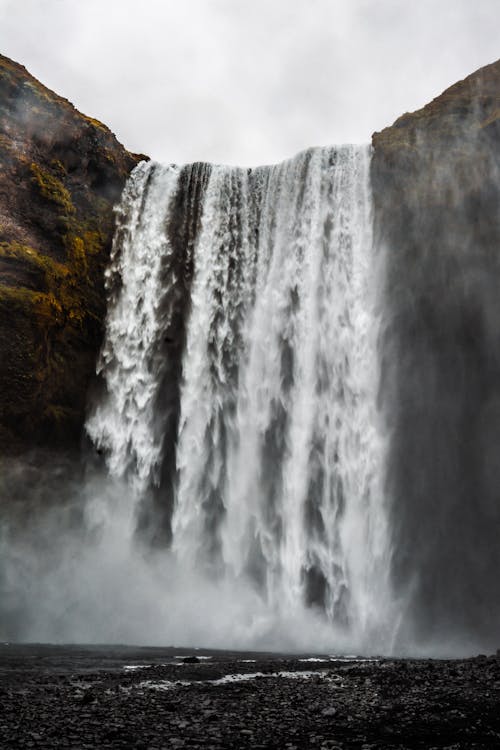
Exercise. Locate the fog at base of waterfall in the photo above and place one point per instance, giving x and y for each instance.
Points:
(99, 586)
(76, 573)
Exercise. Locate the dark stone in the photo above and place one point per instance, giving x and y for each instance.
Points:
(383, 704)
(435, 176)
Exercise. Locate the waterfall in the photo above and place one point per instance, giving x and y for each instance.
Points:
(124, 422)
(241, 375)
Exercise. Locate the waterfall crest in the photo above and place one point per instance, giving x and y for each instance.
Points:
(241, 372)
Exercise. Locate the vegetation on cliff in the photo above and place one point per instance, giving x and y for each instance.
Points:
(61, 173)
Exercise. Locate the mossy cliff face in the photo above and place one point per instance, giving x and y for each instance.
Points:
(436, 181)
(60, 175)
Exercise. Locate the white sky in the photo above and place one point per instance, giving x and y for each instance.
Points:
(248, 81)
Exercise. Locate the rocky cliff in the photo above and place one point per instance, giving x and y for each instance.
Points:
(436, 179)
(60, 175)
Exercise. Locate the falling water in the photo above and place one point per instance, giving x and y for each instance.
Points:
(124, 421)
(241, 373)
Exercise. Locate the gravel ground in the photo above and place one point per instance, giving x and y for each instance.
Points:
(64, 697)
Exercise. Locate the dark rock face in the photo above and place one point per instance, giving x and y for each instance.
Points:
(436, 179)
(61, 173)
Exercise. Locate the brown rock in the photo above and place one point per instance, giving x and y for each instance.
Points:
(60, 175)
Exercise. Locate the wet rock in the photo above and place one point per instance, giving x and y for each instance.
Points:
(61, 174)
(380, 705)
(329, 712)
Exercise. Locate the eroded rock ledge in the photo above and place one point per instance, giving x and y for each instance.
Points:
(60, 175)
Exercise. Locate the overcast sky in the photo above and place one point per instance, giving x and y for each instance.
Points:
(248, 81)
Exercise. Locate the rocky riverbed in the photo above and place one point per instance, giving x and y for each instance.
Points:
(72, 697)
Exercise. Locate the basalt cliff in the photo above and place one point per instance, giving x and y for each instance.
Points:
(60, 175)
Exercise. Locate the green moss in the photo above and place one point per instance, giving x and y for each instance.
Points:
(64, 299)
(32, 257)
(48, 307)
(16, 298)
(96, 123)
(36, 306)
(52, 189)
(58, 167)
(94, 242)
(76, 247)
(63, 227)
(81, 238)
(40, 90)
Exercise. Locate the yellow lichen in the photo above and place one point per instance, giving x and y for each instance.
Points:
(58, 167)
(96, 123)
(5, 141)
(52, 189)
(32, 257)
(62, 299)
(94, 242)
(76, 248)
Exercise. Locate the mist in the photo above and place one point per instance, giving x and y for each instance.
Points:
(74, 570)
(440, 381)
